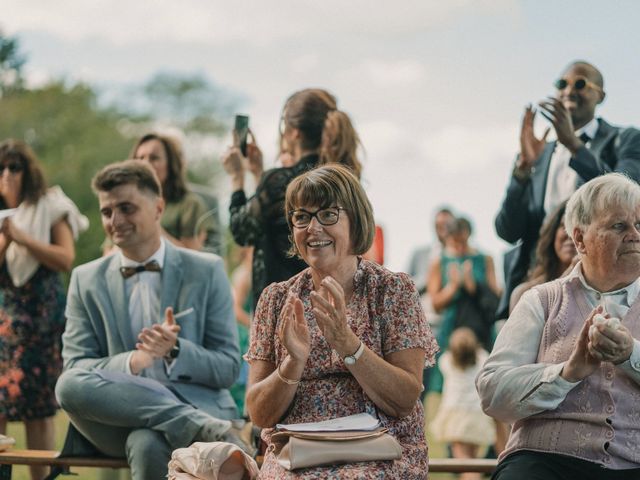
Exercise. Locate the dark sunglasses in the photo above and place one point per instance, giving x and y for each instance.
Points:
(579, 83)
(13, 167)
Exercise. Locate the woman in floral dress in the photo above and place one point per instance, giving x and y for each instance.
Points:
(36, 243)
(341, 306)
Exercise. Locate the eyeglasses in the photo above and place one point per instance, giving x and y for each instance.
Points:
(14, 167)
(326, 216)
(579, 83)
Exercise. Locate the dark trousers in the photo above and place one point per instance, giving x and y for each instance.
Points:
(527, 465)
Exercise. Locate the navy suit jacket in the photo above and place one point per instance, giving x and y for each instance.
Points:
(613, 149)
(98, 331)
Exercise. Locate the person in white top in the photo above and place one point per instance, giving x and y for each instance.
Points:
(460, 420)
(37, 242)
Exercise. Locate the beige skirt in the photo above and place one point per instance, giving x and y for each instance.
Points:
(458, 425)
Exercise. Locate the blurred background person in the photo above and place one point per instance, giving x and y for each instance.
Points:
(36, 244)
(342, 337)
(460, 420)
(421, 260)
(555, 254)
(312, 132)
(241, 290)
(423, 257)
(462, 287)
(186, 221)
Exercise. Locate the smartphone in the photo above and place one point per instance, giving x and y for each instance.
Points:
(242, 129)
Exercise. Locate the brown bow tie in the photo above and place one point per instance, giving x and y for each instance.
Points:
(152, 266)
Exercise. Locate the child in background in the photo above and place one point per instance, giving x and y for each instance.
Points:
(460, 420)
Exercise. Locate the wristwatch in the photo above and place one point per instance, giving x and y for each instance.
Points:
(351, 359)
(174, 352)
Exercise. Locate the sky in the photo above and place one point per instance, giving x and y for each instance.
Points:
(436, 89)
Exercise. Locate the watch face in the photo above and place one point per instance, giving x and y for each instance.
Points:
(350, 360)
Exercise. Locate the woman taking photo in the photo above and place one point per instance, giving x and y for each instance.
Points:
(36, 243)
(313, 132)
(342, 337)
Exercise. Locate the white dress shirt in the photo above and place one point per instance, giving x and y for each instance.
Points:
(144, 290)
(562, 179)
(515, 386)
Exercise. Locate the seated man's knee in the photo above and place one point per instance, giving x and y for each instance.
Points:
(144, 444)
(71, 389)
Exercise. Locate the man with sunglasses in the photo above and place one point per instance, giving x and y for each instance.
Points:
(548, 172)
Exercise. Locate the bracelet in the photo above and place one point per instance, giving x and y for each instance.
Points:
(285, 379)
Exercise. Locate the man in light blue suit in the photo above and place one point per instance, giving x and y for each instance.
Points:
(150, 344)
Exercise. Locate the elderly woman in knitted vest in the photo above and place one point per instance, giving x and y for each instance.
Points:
(565, 369)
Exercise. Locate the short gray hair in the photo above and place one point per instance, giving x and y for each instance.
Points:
(595, 196)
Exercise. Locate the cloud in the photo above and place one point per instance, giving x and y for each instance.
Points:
(305, 63)
(459, 149)
(220, 22)
(394, 73)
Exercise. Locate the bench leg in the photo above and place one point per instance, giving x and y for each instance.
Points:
(57, 471)
(5, 472)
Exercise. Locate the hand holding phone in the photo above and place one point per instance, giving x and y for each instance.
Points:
(241, 130)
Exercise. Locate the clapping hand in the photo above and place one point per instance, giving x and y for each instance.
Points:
(330, 310)
(11, 232)
(554, 110)
(158, 340)
(610, 341)
(582, 362)
(453, 275)
(530, 146)
(293, 330)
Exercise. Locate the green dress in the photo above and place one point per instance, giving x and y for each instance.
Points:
(479, 271)
(187, 217)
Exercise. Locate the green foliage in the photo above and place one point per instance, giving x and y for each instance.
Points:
(11, 62)
(73, 135)
(73, 139)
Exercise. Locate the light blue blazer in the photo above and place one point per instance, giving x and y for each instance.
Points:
(98, 331)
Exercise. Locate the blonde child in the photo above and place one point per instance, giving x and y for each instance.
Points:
(460, 420)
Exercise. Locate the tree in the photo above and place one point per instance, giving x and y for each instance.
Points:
(11, 63)
(73, 138)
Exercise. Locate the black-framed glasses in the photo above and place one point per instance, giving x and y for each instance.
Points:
(579, 83)
(13, 167)
(301, 218)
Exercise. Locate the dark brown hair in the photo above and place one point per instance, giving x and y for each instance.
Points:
(34, 185)
(463, 345)
(547, 265)
(323, 127)
(175, 185)
(334, 185)
(129, 172)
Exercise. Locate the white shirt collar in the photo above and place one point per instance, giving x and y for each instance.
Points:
(630, 290)
(158, 256)
(590, 129)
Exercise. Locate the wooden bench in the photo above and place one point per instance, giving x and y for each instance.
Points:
(62, 465)
(51, 458)
(462, 465)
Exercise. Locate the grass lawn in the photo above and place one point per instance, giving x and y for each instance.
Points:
(16, 430)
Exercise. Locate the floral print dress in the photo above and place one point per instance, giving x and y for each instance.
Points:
(385, 313)
(31, 326)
